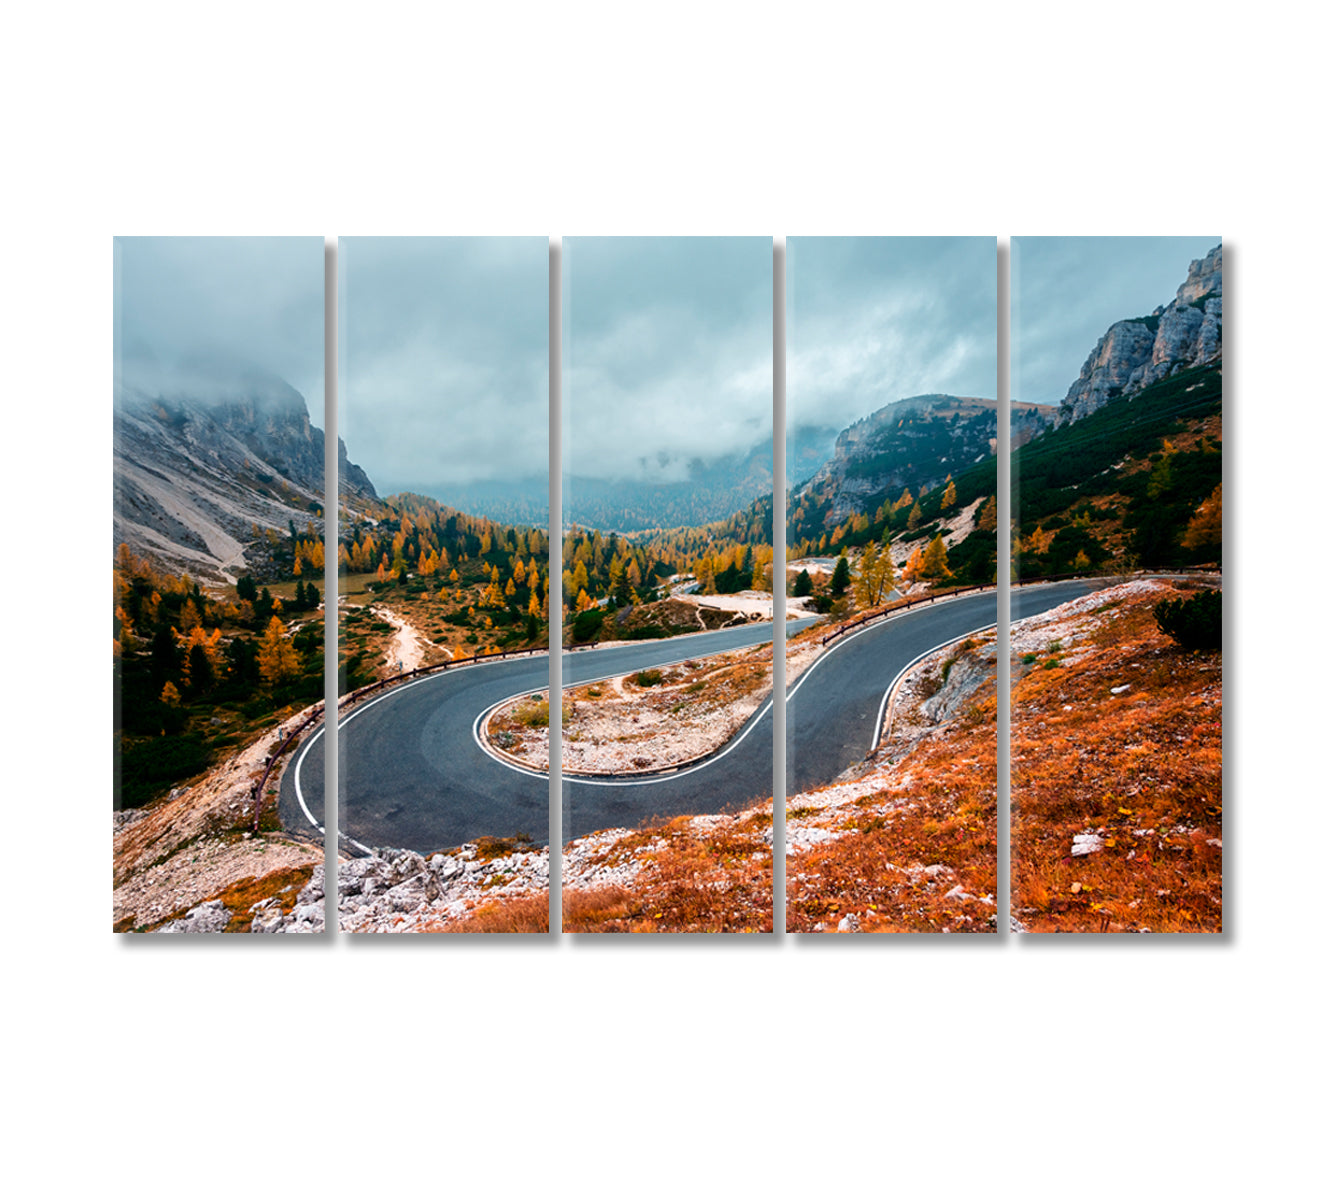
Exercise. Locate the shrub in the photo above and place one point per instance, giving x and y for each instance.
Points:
(647, 678)
(1194, 624)
(585, 626)
(536, 714)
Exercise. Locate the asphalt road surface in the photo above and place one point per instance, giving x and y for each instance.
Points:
(833, 709)
(413, 776)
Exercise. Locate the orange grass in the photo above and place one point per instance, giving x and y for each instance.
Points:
(691, 880)
(517, 914)
(285, 885)
(1148, 759)
(917, 835)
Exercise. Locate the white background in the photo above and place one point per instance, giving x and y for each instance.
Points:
(1143, 1066)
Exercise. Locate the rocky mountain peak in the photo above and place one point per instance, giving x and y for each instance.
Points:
(1135, 353)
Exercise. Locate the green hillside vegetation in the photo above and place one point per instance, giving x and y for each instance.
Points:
(1122, 487)
(197, 674)
(607, 574)
(469, 583)
(1123, 483)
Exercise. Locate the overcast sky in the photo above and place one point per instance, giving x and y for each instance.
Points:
(667, 354)
(443, 348)
(872, 320)
(1065, 292)
(188, 307)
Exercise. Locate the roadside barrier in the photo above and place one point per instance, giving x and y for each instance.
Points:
(904, 604)
(257, 794)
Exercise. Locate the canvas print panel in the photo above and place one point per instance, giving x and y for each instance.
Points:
(1116, 691)
(443, 586)
(667, 760)
(891, 560)
(219, 614)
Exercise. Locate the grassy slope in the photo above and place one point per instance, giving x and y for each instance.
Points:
(1142, 767)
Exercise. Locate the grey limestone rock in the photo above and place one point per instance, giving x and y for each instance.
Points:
(210, 917)
(1133, 354)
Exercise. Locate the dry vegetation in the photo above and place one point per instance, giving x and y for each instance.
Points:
(1117, 740)
(691, 875)
(642, 721)
(197, 845)
(909, 843)
(711, 874)
(518, 914)
(366, 633)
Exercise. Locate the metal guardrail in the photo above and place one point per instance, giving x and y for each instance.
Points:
(257, 795)
(903, 605)
(436, 668)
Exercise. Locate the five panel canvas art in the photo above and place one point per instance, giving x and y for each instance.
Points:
(1094, 708)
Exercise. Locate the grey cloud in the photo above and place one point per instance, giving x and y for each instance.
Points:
(444, 349)
(668, 353)
(872, 320)
(192, 312)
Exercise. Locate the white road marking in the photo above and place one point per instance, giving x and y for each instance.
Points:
(852, 637)
(889, 691)
(667, 773)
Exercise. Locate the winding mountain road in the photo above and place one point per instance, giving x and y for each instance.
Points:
(412, 773)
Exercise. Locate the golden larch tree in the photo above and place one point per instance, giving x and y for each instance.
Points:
(277, 656)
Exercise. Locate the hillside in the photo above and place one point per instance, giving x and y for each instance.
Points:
(915, 444)
(1116, 775)
(1126, 473)
(1137, 482)
(206, 480)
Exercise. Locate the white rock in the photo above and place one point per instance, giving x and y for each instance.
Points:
(1086, 843)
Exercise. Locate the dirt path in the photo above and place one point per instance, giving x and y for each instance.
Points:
(408, 645)
(753, 604)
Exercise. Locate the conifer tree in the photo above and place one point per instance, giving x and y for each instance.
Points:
(935, 562)
(278, 659)
(876, 576)
(1205, 528)
(842, 576)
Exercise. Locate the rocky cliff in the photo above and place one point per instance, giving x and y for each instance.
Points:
(194, 478)
(1133, 354)
(912, 443)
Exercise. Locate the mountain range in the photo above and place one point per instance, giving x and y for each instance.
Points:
(714, 490)
(918, 442)
(204, 476)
